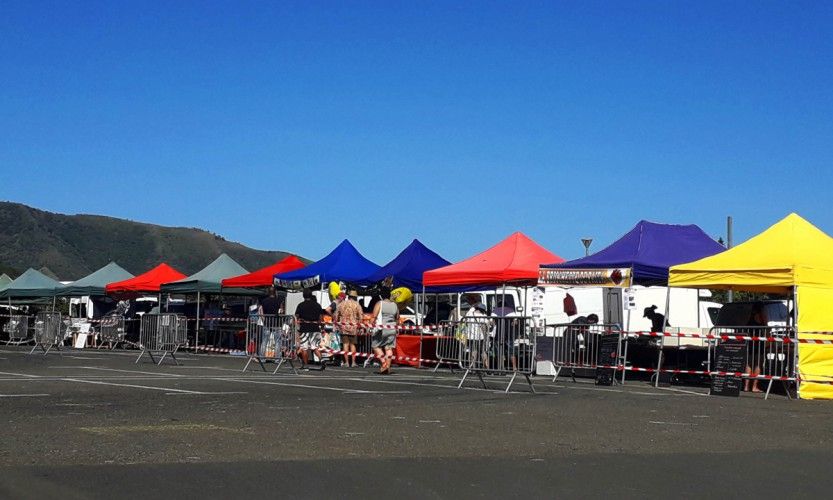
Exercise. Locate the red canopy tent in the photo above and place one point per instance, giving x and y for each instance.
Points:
(514, 260)
(265, 276)
(147, 282)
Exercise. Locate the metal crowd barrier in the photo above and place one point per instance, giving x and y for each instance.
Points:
(448, 348)
(504, 345)
(584, 349)
(49, 331)
(271, 338)
(766, 353)
(17, 329)
(771, 353)
(112, 331)
(162, 333)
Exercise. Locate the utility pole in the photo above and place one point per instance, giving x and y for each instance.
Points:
(728, 246)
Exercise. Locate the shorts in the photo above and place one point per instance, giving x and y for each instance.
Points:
(349, 339)
(383, 338)
(309, 340)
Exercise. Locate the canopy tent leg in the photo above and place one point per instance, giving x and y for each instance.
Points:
(197, 328)
(661, 342)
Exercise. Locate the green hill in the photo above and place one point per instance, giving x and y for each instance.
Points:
(73, 246)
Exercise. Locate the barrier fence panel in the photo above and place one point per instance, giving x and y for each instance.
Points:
(162, 333)
(49, 331)
(17, 330)
(504, 345)
(757, 353)
(271, 338)
(771, 354)
(448, 348)
(585, 350)
(112, 331)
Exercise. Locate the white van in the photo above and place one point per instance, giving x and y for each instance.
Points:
(688, 307)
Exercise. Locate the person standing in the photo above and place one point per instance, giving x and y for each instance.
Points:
(308, 315)
(271, 304)
(386, 317)
(348, 316)
(476, 325)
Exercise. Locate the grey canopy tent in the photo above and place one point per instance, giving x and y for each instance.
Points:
(94, 284)
(31, 287)
(32, 284)
(209, 280)
(4, 280)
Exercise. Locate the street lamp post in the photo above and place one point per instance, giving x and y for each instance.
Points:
(586, 242)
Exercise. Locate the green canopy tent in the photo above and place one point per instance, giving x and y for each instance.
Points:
(4, 280)
(209, 280)
(94, 284)
(30, 287)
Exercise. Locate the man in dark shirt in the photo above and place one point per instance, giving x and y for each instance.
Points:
(271, 304)
(308, 314)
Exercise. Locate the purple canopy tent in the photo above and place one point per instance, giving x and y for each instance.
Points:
(649, 249)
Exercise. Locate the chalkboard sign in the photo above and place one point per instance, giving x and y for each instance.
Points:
(729, 357)
(608, 351)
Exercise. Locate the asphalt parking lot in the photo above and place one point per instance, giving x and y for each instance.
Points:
(87, 424)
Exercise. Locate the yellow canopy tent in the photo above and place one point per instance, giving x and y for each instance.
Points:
(792, 256)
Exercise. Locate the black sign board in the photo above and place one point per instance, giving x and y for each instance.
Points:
(729, 357)
(608, 351)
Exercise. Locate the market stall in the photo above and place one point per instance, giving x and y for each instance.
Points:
(505, 345)
(209, 281)
(792, 258)
(637, 260)
(407, 269)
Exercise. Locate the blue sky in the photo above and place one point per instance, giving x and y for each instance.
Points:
(293, 125)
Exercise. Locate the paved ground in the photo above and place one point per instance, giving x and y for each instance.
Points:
(96, 425)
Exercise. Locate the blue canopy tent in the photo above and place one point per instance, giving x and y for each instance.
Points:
(344, 263)
(407, 268)
(649, 249)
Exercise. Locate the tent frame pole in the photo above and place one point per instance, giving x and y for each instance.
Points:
(796, 346)
(197, 329)
(661, 342)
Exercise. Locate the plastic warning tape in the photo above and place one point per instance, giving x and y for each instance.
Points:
(702, 372)
(710, 336)
(222, 350)
(376, 356)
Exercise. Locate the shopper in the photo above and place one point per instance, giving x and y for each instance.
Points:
(308, 315)
(386, 317)
(348, 316)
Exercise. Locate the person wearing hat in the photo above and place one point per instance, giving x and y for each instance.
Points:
(347, 318)
(658, 322)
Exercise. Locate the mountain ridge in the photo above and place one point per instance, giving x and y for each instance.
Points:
(73, 246)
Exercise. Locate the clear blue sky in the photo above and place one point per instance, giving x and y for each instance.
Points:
(293, 125)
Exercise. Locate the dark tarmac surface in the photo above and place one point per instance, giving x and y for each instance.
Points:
(95, 425)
